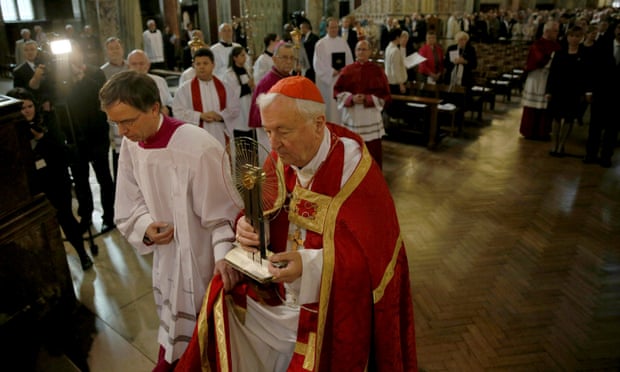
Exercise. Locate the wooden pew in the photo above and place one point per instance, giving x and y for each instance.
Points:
(432, 106)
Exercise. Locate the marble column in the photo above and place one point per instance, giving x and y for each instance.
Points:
(314, 12)
(171, 16)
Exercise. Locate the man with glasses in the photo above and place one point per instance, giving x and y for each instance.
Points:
(172, 202)
(283, 64)
(362, 91)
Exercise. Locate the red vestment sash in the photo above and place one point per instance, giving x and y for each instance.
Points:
(364, 317)
(197, 98)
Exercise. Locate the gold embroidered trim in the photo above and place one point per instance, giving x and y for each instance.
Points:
(310, 352)
(308, 210)
(388, 274)
(239, 311)
(203, 331)
(220, 333)
(329, 249)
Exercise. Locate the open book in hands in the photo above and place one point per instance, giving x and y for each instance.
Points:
(250, 264)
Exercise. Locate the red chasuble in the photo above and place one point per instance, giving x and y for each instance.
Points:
(197, 98)
(364, 317)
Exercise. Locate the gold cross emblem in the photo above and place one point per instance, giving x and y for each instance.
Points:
(296, 240)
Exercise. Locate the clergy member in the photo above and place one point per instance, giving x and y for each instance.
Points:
(221, 51)
(283, 64)
(343, 301)
(331, 54)
(171, 203)
(205, 100)
(362, 91)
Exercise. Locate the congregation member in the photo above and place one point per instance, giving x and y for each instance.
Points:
(535, 120)
(264, 62)
(19, 45)
(171, 203)
(283, 64)
(343, 301)
(331, 54)
(32, 76)
(39, 35)
(206, 101)
(116, 57)
(153, 41)
(432, 69)
(309, 40)
(91, 46)
(139, 61)
(348, 33)
(362, 92)
(461, 61)
(604, 125)
(394, 64)
(116, 63)
(566, 88)
(240, 81)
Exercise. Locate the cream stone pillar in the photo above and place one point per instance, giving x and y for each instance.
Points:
(314, 12)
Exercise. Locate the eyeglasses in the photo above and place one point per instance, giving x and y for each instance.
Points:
(287, 58)
(125, 123)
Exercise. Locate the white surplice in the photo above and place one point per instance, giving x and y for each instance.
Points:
(231, 81)
(182, 184)
(183, 109)
(325, 78)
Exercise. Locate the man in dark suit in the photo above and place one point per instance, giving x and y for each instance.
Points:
(31, 75)
(418, 30)
(348, 34)
(309, 40)
(605, 97)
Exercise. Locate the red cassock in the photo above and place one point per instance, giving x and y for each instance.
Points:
(364, 317)
(363, 78)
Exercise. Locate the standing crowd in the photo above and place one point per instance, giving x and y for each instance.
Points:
(342, 301)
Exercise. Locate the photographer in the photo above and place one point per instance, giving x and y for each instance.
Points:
(50, 173)
(88, 132)
(31, 75)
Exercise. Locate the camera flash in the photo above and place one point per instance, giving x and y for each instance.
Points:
(60, 46)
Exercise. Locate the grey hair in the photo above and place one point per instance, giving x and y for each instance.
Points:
(285, 45)
(306, 108)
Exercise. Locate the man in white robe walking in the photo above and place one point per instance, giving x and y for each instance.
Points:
(172, 202)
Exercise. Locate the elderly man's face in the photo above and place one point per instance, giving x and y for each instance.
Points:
(139, 62)
(295, 139)
(284, 61)
(226, 34)
(362, 52)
